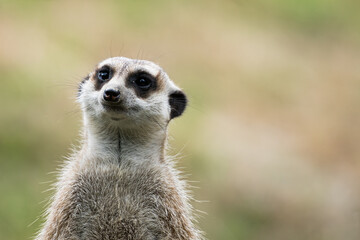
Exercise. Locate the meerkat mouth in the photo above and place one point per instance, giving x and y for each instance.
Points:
(114, 108)
(116, 118)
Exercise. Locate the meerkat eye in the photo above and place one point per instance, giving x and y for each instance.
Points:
(104, 74)
(143, 82)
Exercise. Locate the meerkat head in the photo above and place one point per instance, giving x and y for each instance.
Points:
(127, 93)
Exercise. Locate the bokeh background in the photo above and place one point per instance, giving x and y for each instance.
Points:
(270, 140)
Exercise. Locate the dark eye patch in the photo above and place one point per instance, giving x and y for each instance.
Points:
(142, 82)
(103, 75)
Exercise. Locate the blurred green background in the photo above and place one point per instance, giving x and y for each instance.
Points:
(270, 140)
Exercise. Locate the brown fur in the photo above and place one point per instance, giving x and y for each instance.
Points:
(119, 203)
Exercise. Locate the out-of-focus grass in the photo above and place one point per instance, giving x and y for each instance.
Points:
(270, 138)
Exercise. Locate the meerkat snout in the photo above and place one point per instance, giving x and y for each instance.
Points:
(111, 95)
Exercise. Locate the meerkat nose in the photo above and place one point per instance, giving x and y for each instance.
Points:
(111, 95)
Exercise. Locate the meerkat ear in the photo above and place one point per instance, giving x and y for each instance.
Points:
(178, 102)
(81, 84)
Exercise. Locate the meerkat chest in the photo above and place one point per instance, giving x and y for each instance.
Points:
(111, 203)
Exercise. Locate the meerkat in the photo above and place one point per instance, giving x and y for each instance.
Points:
(119, 184)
